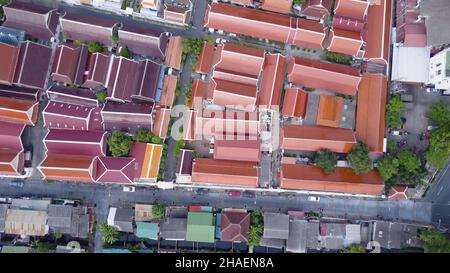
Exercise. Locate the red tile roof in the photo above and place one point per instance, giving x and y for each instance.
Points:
(272, 81)
(310, 34)
(233, 94)
(370, 112)
(356, 9)
(10, 136)
(78, 96)
(379, 32)
(398, 193)
(85, 27)
(329, 112)
(224, 172)
(314, 138)
(69, 167)
(323, 75)
(205, 58)
(168, 90)
(294, 103)
(33, 64)
(66, 116)
(234, 226)
(281, 6)
(415, 35)
(174, 52)
(147, 42)
(241, 150)
(64, 141)
(96, 72)
(344, 180)
(18, 111)
(317, 8)
(119, 170)
(128, 116)
(198, 92)
(9, 55)
(161, 125)
(189, 125)
(176, 14)
(69, 63)
(345, 42)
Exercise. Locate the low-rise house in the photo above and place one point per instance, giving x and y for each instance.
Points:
(3, 209)
(121, 218)
(146, 230)
(398, 192)
(316, 9)
(127, 117)
(234, 226)
(280, 6)
(392, 235)
(272, 81)
(33, 64)
(173, 228)
(69, 63)
(378, 27)
(296, 241)
(178, 11)
(168, 91)
(161, 123)
(276, 230)
(96, 72)
(200, 227)
(36, 20)
(342, 180)
(73, 221)
(403, 58)
(79, 96)
(241, 150)
(144, 41)
(89, 143)
(312, 235)
(148, 157)
(17, 105)
(205, 58)
(332, 235)
(184, 166)
(26, 222)
(143, 213)
(329, 112)
(11, 149)
(120, 170)
(295, 103)
(352, 234)
(68, 167)
(224, 172)
(440, 70)
(174, 52)
(59, 115)
(10, 56)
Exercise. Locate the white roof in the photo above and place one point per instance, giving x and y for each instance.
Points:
(410, 64)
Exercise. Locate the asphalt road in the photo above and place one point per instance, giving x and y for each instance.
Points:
(439, 196)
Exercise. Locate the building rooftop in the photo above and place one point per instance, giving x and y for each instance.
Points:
(276, 226)
(200, 227)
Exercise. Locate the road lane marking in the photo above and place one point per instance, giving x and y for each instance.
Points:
(439, 192)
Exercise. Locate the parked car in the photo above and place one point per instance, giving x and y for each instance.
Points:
(129, 189)
(314, 198)
(17, 183)
(433, 90)
(234, 193)
(211, 148)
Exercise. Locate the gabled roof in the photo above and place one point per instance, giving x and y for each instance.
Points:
(184, 164)
(329, 112)
(234, 226)
(242, 150)
(78, 96)
(224, 172)
(18, 111)
(119, 170)
(317, 8)
(281, 6)
(144, 41)
(128, 116)
(174, 52)
(177, 14)
(345, 41)
(26, 222)
(67, 116)
(371, 110)
(276, 226)
(314, 138)
(272, 81)
(379, 32)
(161, 125)
(356, 9)
(148, 156)
(232, 94)
(68, 167)
(323, 75)
(33, 64)
(69, 63)
(11, 148)
(87, 28)
(205, 58)
(294, 103)
(168, 91)
(96, 71)
(64, 141)
(9, 55)
(313, 178)
(35, 20)
(200, 227)
(309, 33)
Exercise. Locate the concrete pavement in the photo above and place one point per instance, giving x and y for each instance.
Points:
(439, 196)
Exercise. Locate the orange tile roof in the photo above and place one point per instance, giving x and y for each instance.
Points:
(149, 157)
(205, 59)
(371, 110)
(242, 150)
(168, 90)
(272, 81)
(68, 167)
(174, 51)
(18, 111)
(199, 88)
(344, 180)
(9, 55)
(345, 42)
(189, 125)
(162, 119)
(379, 32)
(11, 162)
(294, 103)
(281, 6)
(323, 75)
(314, 138)
(233, 94)
(398, 193)
(224, 172)
(356, 9)
(310, 33)
(329, 113)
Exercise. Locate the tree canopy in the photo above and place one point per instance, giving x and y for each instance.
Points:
(101, 96)
(394, 109)
(256, 228)
(388, 167)
(439, 114)
(110, 234)
(359, 158)
(326, 159)
(439, 150)
(143, 135)
(94, 47)
(119, 144)
(408, 160)
(434, 241)
(158, 211)
(126, 53)
(355, 248)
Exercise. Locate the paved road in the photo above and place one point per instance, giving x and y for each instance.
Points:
(439, 196)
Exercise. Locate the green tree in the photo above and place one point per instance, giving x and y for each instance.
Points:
(391, 145)
(58, 235)
(394, 109)
(94, 47)
(359, 158)
(434, 241)
(157, 140)
(110, 234)
(126, 53)
(439, 150)
(179, 144)
(101, 96)
(408, 160)
(388, 167)
(114, 38)
(143, 135)
(158, 211)
(439, 114)
(355, 248)
(119, 144)
(407, 178)
(41, 247)
(337, 58)
(327, 160)
(256, 228)
(299, 2)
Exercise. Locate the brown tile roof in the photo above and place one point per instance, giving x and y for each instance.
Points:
(87, 28)
(281, 6)
(127, 117)
(398, 193)
(199, 88)
(323, 75)
(224, 172)
(294, 103)
(11, 162)
(272, 81)
(241, 150)
(161, 125)
(329, 113)
(32, 68)
(314, 138)
(80, 96)
(18, 111)
(144, 41)
(234, 226)
(174, 52)
(379, 32)
(9, 55)
(205, 59)
(371, 110)
(344, 180)
(184, 163)
(168, 90)
(189, 125)
(68, 167)
(96, 72)
(176, 14)
(69, 63)
(356, 9)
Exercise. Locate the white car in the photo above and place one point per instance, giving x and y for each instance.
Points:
(314, 198)
(129, 189)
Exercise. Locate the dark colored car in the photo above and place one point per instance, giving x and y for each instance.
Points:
(234, 193)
